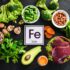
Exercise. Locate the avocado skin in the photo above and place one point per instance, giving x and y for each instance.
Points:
(33, 52)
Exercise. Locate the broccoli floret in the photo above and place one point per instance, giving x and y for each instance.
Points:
(14, 9)
(46, 14)
(11, 16)
(41, 4)
(10, 11)
(54, 5)
(20, 8)
(3, 14)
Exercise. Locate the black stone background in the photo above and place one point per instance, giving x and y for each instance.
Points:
(64, 4)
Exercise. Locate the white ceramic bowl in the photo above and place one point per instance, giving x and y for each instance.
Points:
(67, 16)
(34, 20)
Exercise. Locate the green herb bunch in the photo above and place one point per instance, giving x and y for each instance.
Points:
(10, 50)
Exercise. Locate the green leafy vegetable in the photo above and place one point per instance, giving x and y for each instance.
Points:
(67, 30)
(49, 49)
(10, 11)
(10, 50)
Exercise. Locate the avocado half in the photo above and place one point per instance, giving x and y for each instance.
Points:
(29, 56)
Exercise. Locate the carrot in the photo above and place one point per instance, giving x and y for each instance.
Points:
(42, 60)
(48, 35)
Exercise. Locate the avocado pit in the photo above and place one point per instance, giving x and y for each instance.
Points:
(28, 57)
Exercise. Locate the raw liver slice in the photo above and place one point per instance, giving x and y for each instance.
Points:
(60, 52)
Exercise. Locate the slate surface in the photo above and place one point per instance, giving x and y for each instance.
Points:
(64, 4)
